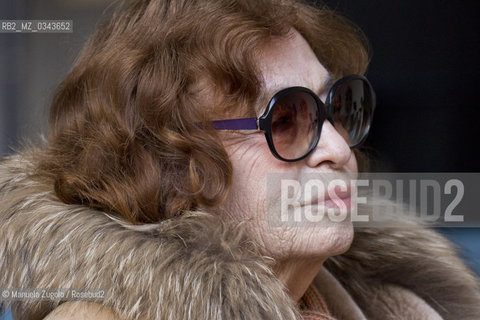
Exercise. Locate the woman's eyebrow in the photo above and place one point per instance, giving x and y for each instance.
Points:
(265, 97)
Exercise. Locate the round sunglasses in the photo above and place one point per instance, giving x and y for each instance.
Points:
(294, 117)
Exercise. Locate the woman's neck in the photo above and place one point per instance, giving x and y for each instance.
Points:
(298, 274)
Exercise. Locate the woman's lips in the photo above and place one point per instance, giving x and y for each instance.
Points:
(340, 203)
(336, 198)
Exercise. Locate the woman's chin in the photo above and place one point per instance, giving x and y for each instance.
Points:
(330, 239)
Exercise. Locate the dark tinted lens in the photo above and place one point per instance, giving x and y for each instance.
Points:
(294, 124)
(352, 110)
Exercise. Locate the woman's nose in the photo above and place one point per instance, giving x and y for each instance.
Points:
(332, 149)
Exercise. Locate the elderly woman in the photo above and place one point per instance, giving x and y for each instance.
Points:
(153, 184)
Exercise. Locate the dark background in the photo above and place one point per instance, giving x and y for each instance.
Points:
(424, 70)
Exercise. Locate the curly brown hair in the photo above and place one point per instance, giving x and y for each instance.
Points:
(124, 124)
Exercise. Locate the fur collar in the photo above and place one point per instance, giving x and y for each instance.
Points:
(199, 267)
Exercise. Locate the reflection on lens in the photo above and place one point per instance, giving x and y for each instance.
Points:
(294, 124)
(352, 108)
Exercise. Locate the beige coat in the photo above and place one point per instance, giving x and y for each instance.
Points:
(197, 267)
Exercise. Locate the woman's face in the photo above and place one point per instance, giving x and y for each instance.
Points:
(285, 63)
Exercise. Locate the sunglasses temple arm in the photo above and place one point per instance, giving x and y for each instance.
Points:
(236, 124)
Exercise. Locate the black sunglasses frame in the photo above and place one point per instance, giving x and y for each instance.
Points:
(324, 113)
